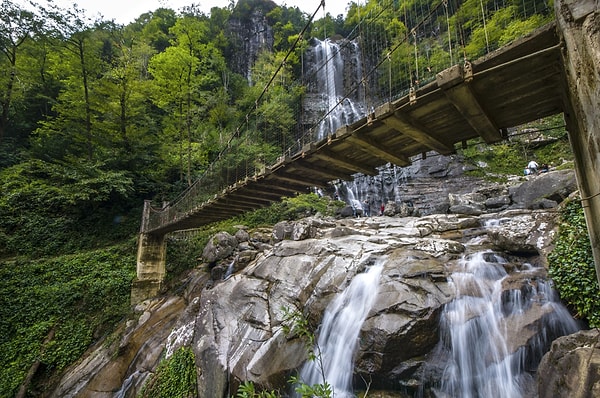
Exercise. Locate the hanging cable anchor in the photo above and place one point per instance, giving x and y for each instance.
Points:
(468, 71)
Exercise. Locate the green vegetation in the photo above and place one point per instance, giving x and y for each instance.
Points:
(175, 377)
(511, 157)
(248, 390)
(76, 298)
(572, 265)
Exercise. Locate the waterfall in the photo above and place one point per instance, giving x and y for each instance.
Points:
(338, 109)
(230, 269)
(338, 336)
(127, 384)
(476, 325)
(353, 198)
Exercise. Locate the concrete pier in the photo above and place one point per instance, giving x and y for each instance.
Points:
(578, 24)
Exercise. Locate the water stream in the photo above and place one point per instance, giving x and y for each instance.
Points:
(338, 335)
(479, 328)
(338, 109)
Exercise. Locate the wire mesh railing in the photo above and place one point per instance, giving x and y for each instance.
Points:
(320, 85)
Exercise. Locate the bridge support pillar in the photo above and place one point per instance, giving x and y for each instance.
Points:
(151, 260)
(578, 22)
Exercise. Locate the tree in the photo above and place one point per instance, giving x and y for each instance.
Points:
(125, 119)
(17, 25)
(153, 28)
(78, 65)
(185, 76)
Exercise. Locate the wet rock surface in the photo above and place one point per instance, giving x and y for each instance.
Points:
(232, 308)
(235, 325)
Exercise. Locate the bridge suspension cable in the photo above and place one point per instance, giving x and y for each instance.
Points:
(394, 42)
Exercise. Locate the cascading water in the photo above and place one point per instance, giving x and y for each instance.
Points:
(338, 109)
(230, 269)
(334, 64)
(127, 384)
(475, 327)
(353, 198)
(338, 334)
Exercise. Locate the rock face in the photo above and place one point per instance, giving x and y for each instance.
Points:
(437, 184)
(250, 34)
(572, 367)
(234, 325)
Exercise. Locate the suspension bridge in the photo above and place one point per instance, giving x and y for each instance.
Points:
(417, 87)
(407, 109)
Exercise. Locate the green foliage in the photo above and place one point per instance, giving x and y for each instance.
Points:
(316, 390)
(572, 265)
(510, 157)
(44, 207)
(247, 390)
(58, 186)
(503, 158)
(75, 296)
(296, 324)
(175, 377)
(291, 209)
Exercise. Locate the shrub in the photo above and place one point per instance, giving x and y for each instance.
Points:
(572, 265)
(70, 298)
(175, 377)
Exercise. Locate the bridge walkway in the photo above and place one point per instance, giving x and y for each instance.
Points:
(518, 83)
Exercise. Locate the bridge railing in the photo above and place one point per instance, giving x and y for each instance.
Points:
(394, 48)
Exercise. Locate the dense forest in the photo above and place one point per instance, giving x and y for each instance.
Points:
(96, 117)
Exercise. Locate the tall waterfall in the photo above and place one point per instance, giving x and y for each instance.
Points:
(336, 98)
(338, 334)
(476, 325)
(338, 108)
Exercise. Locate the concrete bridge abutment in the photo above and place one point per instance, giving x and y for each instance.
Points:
(578, 24)
(151, 262)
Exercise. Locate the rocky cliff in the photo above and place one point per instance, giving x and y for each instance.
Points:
(250, 34)
(232, 307)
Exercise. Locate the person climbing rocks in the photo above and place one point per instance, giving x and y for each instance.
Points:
(532, 167)
(382, 209)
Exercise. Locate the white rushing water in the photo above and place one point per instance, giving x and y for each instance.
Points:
(473, 328)
(338, 336)
(340, 111)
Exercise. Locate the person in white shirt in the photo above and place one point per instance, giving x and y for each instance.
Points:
(533, 167)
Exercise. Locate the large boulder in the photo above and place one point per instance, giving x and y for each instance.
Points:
(545, 190)
(571, 369)
(220, 246)
(522, 231)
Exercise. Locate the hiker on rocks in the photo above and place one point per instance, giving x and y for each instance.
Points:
(532, 167)
(366, 208)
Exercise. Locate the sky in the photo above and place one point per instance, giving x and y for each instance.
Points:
(125, 11)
